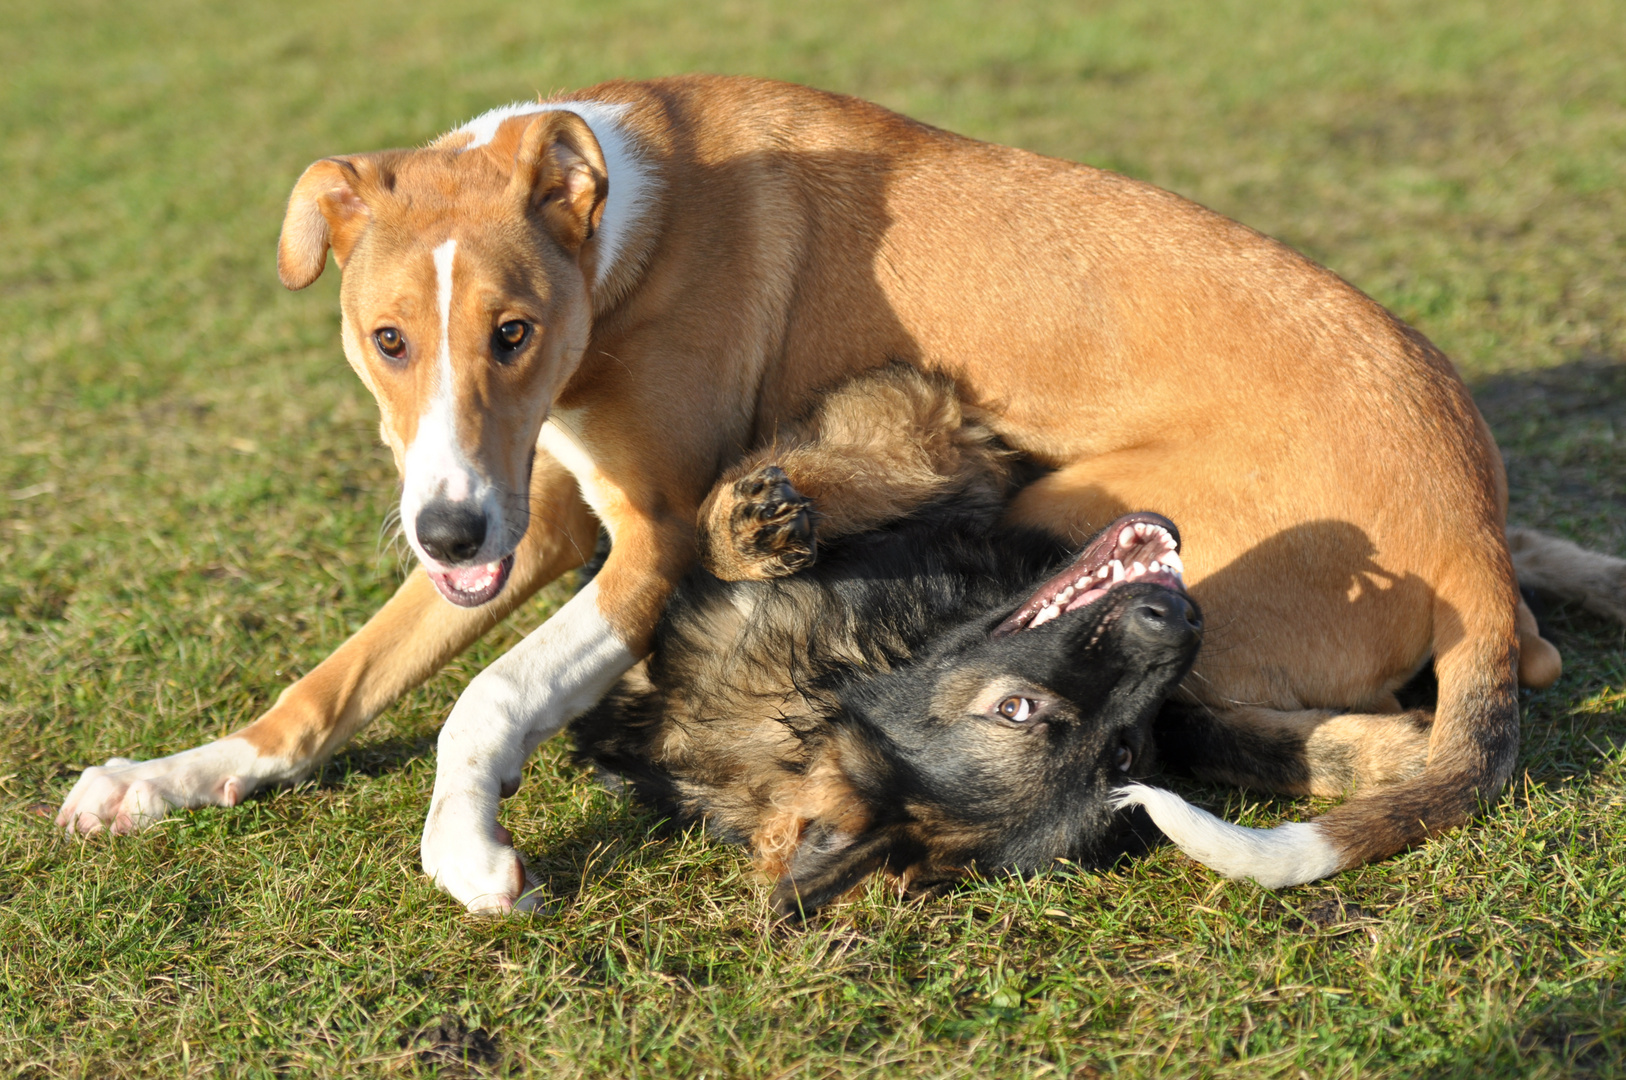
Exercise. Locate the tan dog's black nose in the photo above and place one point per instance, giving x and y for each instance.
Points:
(451, 532)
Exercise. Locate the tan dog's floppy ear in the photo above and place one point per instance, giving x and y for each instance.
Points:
(559, 172)
(325, 210)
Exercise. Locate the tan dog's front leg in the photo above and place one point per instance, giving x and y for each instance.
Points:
(408, 640)
(559, 671)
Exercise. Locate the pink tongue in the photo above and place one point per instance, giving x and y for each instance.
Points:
(471, 579)
(1085, 599)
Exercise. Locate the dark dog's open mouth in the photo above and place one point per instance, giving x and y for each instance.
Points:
(1141, 547)
(471, 586)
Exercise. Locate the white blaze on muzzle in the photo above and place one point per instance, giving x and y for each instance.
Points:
(434, 468)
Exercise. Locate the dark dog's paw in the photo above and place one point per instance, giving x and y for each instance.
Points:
(767, 528)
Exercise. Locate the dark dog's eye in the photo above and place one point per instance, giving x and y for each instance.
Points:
(511, 335)
(1125, 756)
(390, 342)
(1015, 708)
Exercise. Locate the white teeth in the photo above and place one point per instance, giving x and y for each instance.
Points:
(1135, 572)
(1126, 536)
(1154, 567)
(1104, 573)
(1117, 569)
(1044, 616)
(1141, 529)
(1171, 561)
(1064, 596)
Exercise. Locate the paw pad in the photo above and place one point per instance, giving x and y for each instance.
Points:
(772, 524)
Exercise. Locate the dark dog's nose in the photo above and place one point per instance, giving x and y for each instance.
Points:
(451, 532)
(1163, 614)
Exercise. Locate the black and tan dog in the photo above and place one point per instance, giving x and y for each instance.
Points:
(582, 310)
(939, 694)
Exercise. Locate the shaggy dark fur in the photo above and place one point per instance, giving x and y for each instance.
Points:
(902, 705)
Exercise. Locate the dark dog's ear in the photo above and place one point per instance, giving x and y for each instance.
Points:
(828, 862)
(328, 208)
(559, 172)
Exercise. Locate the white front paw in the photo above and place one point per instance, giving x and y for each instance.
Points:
(123, 795)
(467, 853)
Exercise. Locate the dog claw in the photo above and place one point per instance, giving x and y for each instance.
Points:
(768, 531)
(531, 894)
(526, 897)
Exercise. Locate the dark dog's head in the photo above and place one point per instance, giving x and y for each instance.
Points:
(1000, 746)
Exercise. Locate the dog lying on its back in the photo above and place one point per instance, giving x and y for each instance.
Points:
(936, 693)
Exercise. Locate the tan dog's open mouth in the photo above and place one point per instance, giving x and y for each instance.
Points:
(1141, 547)
(471, 586)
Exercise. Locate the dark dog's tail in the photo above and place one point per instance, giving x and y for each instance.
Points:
(1472, 746)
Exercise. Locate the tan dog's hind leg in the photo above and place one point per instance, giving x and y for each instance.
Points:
(1570, 572)
(869, 452)
(408, 640)
(1547, 564)
(1329, 611)
(1540, 664)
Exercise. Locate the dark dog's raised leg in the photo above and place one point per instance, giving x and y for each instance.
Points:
(869, 453)
(767, 530)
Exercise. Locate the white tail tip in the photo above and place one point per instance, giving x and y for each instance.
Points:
(1286, 855)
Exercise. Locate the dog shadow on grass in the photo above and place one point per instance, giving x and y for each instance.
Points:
(616, 840)
(614, 837)
(375, 759)
(1562, 431)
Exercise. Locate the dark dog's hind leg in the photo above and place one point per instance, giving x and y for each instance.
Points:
(1300, 752)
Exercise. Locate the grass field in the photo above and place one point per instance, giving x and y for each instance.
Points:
(191, 492)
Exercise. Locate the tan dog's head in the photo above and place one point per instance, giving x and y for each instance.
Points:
(466, 307)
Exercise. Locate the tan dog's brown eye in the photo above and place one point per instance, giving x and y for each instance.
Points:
(511, 335)
(390, 342)
(1016, 708)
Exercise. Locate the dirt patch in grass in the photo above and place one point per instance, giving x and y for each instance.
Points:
(449, 1042)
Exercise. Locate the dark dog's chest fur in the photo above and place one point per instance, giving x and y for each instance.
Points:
(847, 719)
(771, 661)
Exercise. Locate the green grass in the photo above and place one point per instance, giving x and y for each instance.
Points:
(191, 489)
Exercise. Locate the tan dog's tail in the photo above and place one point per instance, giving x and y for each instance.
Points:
(1473, 744)
(1474, 741)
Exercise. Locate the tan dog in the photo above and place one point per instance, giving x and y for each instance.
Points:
(581, 311)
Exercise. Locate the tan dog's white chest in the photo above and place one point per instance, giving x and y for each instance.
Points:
(560, 437)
